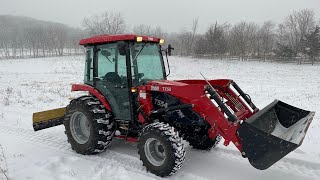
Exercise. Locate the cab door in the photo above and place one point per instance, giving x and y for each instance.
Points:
(112, 79)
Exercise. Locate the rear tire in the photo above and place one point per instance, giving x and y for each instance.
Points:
(161, 149)
(88, 125)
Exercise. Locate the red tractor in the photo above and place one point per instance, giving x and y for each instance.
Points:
(129, 97)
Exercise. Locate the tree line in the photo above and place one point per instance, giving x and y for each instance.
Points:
(297, 36)
(26, 37)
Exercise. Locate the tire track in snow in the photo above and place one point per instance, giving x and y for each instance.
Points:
(133, 164)
(128, 162)
(288, 165)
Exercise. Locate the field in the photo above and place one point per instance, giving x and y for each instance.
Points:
(32, 85)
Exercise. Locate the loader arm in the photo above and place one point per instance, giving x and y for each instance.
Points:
(263, 136)
(193, 92)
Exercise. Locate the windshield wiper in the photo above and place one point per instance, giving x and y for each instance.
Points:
(135, 58)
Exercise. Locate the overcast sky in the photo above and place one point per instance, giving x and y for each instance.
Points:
(171, 15)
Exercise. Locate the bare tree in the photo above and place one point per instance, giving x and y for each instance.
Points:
(147, 30)
(74, 37)
(238, 41)
(32, 40)
(8, 40)
(266, 38)
(42, 40)
(297, 25)
(105, 23)
(142, 30)
(3, 164)
(4, 43)
(180, 41)
(252, 37)
(61, 38)
(158, 32)
(193, 33)
(18, 34)
(243, 38)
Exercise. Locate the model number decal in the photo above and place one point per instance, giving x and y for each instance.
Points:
(166, 88)
(160, 103)
(157, 88)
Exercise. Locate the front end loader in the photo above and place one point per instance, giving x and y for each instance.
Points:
(129, 97)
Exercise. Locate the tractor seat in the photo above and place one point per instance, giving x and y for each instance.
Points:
(112, 77)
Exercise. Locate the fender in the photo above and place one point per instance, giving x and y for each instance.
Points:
(93, 91)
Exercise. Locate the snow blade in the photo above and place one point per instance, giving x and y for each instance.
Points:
(273, 132)
(47, 119)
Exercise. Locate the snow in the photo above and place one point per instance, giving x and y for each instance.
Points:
(32, 85)
(294, 134)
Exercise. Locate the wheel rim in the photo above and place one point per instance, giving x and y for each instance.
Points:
(80, 127)
(155, 152)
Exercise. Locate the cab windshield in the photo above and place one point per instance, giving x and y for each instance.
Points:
(147, 62)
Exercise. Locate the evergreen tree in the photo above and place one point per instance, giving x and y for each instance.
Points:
(311, 44)
(284, 50)
(201, 46)
(216, 40)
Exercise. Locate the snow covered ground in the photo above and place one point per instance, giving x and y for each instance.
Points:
(32, 85)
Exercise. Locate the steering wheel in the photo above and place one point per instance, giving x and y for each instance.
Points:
(140, 75)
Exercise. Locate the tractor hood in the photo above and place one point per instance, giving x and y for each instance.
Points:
(194, 82)
(184, 89)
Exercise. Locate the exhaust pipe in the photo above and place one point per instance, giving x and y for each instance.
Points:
(273, 132)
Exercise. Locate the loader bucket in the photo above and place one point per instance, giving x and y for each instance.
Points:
(273, 132)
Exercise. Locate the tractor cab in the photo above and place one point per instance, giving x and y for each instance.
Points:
(116, 67)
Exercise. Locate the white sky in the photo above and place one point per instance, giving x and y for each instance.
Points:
(171, 15)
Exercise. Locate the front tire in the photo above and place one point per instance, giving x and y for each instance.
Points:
(161, 149)
(204, 142)
(88, 125)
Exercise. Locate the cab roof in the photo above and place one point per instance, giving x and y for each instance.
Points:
(105, 38)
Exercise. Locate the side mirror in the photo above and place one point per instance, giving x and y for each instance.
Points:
(122, 47)
(169, 49)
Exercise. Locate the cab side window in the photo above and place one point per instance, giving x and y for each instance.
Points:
(88, 71)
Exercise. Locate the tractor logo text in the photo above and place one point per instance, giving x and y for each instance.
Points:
(155, 88)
